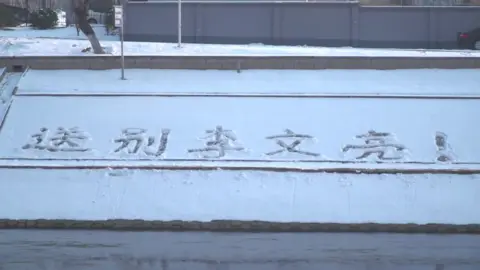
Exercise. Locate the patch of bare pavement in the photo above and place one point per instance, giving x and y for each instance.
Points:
(35, 249)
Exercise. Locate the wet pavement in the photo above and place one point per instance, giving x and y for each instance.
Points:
(37, 249)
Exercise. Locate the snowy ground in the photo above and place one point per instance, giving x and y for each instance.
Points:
(419, 132)
(64, 41)
(56, 33)
(321, 129)
(423, 82)
(65, 190)
(75, 138)
(7, 86)
(267, 196)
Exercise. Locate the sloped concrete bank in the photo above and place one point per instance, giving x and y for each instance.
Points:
(93, 189)
(237, 201)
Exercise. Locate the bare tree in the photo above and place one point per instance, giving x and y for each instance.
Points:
(81, 10)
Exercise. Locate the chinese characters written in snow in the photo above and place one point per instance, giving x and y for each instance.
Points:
(219, 142)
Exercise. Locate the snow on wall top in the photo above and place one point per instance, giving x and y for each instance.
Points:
(298, 82)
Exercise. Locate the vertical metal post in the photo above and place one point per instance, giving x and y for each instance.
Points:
(121, 42)
(179, 24)
(121, 49)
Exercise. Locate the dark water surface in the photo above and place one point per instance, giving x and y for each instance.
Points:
(100, 250)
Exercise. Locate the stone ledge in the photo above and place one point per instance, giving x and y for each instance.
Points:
(236, 62)
(236, 226)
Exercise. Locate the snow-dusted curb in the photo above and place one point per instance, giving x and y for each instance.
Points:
(350, 168)
(235, 226)
(238, 62)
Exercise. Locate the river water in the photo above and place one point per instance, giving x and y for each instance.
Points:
(104, 250)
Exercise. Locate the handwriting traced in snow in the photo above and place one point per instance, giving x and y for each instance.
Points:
(376, 146)
(135, 139)
(220, 141)
(444, 151)
(296, 140)
(63, 139)
(381, 144)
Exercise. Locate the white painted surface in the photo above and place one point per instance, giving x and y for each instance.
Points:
(203, 196)
(265, 82)
(25, 41)
(332, 123)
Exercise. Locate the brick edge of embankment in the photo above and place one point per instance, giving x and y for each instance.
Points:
(236, 226)
(238, 62)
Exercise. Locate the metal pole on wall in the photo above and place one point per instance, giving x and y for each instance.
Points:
(179, 38)
(121, 49)
(119, 18)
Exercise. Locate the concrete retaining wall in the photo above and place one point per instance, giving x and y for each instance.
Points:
(300, 23)
(236, 62)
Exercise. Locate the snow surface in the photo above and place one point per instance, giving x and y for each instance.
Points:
(333, 123)
(422, 82)
(55, 42)
(238, 165)
(60, 190)
(7, 86)
(203, 196)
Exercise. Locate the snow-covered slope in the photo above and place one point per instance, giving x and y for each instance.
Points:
(250, 129)
(60, 155)
(267, 196)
